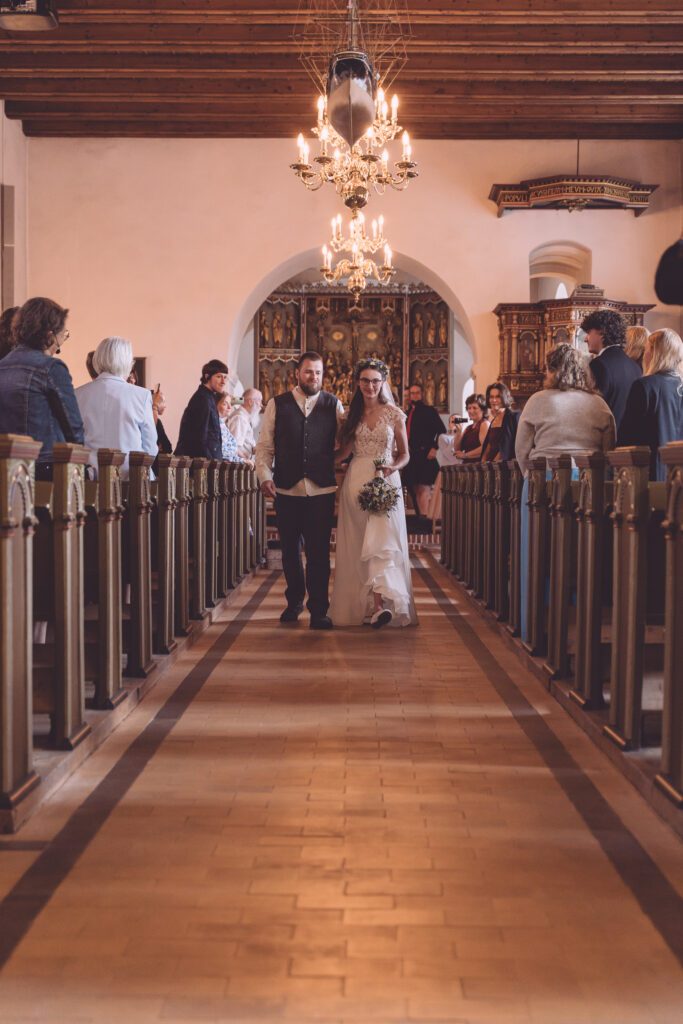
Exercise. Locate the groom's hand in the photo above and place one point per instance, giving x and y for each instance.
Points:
(268, 488)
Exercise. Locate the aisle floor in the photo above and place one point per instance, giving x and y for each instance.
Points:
(345, 827)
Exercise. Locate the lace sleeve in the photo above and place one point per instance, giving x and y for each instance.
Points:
(398, 415)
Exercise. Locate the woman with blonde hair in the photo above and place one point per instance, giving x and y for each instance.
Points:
(654, 408)
(636, 340)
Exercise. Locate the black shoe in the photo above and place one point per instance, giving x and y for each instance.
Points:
(291, 613)
(324, 622)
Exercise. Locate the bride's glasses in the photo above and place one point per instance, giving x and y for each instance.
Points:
(370, 382)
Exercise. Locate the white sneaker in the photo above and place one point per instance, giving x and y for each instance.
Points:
(382, 617)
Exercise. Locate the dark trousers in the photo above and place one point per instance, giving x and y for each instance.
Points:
(306, 523)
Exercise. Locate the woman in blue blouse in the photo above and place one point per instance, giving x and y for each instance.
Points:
(228, 441)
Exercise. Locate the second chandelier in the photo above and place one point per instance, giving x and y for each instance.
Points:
(357, 265)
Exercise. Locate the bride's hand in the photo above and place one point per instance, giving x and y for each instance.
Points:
(385, 471)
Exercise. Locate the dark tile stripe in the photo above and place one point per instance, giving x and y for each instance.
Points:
(21, 906)
(658, 899)
(22, 845)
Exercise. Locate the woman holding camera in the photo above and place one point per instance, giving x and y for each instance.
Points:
(457, 445)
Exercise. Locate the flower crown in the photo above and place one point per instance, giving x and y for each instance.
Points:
(372, 364)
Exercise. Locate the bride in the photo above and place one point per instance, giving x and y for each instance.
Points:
(372, 565)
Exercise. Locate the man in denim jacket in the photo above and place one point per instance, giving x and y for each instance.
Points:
(36, 392)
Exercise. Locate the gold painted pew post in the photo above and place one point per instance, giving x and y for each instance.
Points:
(59, 684)
(164, 560)
(182, 547)
(562, 565)
(198, 538)
(17, 523)
(592, 551)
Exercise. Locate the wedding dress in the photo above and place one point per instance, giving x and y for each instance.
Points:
(372, 550)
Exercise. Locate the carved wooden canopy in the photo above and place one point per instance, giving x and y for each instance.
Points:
(572, 192)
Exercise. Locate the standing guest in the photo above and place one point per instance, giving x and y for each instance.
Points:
(295, 466)
(565, 417)
(468, 444)
(244, 421)
(654, 409)
(424, 426)
(116, 414)
(499, 443)
(636, 340)
(228, 440)
(612, 369)
(7, 330)
(455, 446)
(200, 428)
(36, 391)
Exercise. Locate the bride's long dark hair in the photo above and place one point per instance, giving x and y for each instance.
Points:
(356, 406)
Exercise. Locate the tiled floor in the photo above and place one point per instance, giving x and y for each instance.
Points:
(346, 827)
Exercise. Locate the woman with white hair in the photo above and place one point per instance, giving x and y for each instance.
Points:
(654, 408)
(116, 414)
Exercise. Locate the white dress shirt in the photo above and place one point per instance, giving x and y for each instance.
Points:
(239, 424)
(265, 448)
(117, 415)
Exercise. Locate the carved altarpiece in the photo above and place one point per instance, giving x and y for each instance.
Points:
(409, 328)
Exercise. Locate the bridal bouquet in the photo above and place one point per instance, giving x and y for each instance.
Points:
(377, 496)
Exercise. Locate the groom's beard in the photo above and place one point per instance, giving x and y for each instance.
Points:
(310, 389)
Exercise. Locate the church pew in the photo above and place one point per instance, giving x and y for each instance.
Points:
(670, 776)
(638, 569)
(223, 527)
(454, 520)
(489, 534)
(233, 517)
(516, 482)
(563, 542)
(261, 523)
(538, 561)
(17, 523)
(199, 491)
(102, 581)
(137, 566)
(593, 578)
(164, 491)
(242, 521)
(477, 585)
(501, 540)
(469, 524)
(59, 663)
(182, 622)
(446, 515)
(253, 514)
(212, 501)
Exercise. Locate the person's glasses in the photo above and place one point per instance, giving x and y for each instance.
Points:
(372, 382)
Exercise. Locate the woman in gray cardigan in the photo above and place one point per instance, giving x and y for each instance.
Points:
(567, 416)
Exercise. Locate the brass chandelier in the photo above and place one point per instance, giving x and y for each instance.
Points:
(364, 166)
(357, 266)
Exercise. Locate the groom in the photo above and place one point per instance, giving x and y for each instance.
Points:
(298, 436)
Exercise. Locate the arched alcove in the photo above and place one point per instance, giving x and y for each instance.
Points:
(304, 266)
(556, 268)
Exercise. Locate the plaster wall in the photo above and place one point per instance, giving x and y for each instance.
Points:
(13, 171)
(175, 243)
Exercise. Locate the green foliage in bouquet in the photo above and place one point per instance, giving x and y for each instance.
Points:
(377, 496)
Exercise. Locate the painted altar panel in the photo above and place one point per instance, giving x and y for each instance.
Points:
(409, 329)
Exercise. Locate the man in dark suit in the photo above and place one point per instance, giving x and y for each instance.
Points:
(423, 427)
(612, 369)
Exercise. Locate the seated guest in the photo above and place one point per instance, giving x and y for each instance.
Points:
(567, 416)
(200, 430)
(116, 414)
(36, 392)
(423, 426)
(468, 444)
(612, 369)
(499, 443)
(7, 330)
(636, 340)
(244, 421)
(654, 409)
(228, 439)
